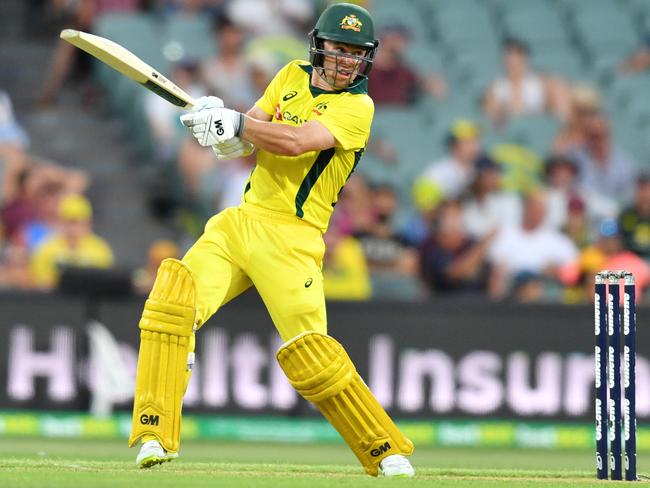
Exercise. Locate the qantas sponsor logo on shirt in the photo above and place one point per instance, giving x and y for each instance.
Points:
(287, 116)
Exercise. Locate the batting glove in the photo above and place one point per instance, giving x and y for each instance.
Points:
(207, 102)
(232, 149)
(214, 125)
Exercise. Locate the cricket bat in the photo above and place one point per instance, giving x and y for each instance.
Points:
(127, 63)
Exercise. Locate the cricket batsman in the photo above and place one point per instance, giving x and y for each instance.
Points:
(310, 129)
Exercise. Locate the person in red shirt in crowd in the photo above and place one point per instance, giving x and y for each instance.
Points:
(394, 82)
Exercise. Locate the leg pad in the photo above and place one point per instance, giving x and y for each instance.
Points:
(166, 345)
(321, 371)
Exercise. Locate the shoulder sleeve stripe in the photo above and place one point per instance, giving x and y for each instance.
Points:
(323, 159)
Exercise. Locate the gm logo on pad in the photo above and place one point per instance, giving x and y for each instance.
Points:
(149, 419)
(380, 450)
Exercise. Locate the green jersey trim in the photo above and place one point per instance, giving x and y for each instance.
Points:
(323, 159)
(315, 91)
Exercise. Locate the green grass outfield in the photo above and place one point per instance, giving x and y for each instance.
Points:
(58, 463)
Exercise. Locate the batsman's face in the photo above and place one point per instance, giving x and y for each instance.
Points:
(341, 63)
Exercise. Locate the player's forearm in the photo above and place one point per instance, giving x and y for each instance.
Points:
(280, 139)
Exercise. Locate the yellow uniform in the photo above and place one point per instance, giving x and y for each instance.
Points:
(92, 251)
(273, 241)
(286, 207)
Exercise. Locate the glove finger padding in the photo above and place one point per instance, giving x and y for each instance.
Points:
(192, 119)
(232, 149)
(207, 102)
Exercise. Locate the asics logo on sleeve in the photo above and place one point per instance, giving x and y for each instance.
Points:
(289, 95)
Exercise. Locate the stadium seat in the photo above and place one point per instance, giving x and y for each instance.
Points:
(529, 6)
(596, 29)
(392, 286)
(457, 26)
(387, 13)
(534, 131)
(406, 129)
(427, 57)
(580, 7)
(638, 110)
(605, 58)
(563, 62)
(138, 33)
(445, 6)
(474, 69)
(193, 33)
(623, 90)
(535, 27)
(643, 20)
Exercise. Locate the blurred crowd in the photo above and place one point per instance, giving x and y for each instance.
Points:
(506, 222)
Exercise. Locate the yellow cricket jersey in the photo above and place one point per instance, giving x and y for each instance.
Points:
(308, 185)
(93, 251)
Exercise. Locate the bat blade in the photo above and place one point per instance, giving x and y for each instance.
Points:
(127, 63)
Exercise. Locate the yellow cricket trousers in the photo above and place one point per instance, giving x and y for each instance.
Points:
(278, 254)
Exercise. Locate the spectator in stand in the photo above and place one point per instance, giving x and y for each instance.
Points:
(345, 270)
(209, 184)
(14, 267)
(394, 82)
(263, 69)
(608, 252)
(450, 259)
(585, 104)
(18, 210)
(392, 262)
(44, 222)
(12, 135)
(13, 158)
(487, 207)
(162, 117)
(189, 7)
(13, 163)
(527, 258)
(638, 61)
(228, 74)
(74, 245)
(578, 226)
(634, 221)
(158, 251)
(521, 167)
(221, 186)
(562, 179)
(449, 178)
(30, 216)
(263, 17)
(603, 167)
(354, 210)
(521, 91)
(80, 15)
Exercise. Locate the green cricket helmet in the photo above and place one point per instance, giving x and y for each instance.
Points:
(348, 23)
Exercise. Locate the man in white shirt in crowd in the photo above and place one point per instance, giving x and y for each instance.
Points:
(527, 258)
